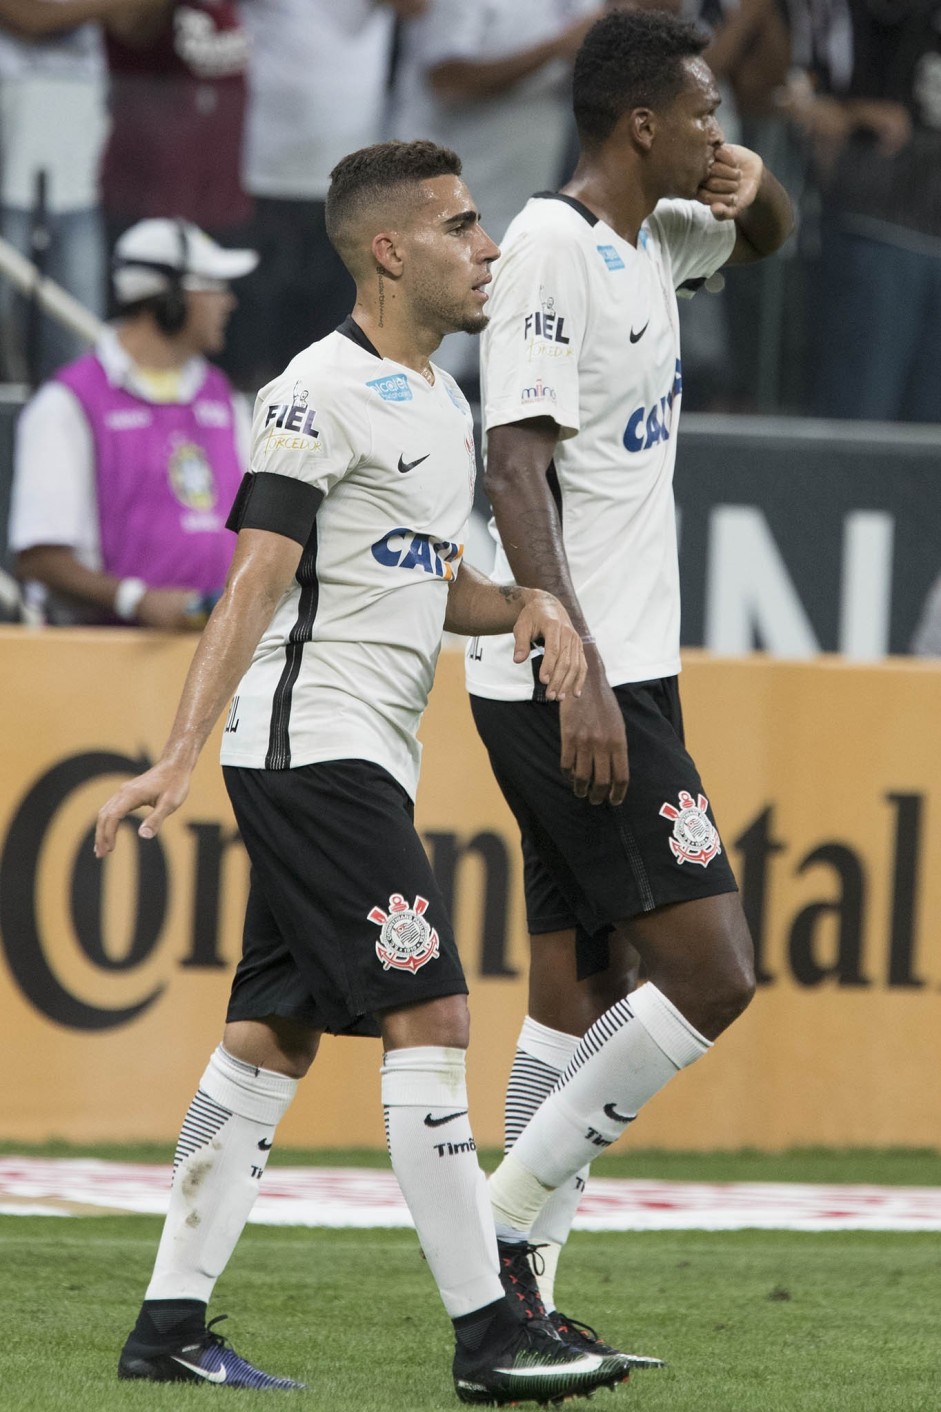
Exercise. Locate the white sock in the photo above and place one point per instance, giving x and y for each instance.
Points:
(220, 1157)
(625, 1058)
(434, 1157)
(541, 1057)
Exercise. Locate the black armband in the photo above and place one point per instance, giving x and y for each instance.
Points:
(280, 504)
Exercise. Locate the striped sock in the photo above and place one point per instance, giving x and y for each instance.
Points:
(220, 1157)
(624, 1059)
(541, 1057)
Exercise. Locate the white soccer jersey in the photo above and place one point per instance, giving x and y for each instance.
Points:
(372, 469)
(584, 329)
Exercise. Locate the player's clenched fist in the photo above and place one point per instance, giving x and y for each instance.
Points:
(732, 183)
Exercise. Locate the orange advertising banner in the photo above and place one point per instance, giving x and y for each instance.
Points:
(826, 782)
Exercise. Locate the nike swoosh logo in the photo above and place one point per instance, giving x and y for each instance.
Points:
(578, 1366)
(611, 1112)
(219, 1376)
(264, 1144)
(635, 338)
(431, 1122)
(410, 465)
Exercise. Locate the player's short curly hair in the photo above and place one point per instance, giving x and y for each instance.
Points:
(629, 59)
(363, 179)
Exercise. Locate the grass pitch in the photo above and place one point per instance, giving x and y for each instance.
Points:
(749, 1321)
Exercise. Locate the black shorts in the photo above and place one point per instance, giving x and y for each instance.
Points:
(344, 916)
(589, 866)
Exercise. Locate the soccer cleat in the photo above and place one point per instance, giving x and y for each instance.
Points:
(579, 1335)
(209, 1359)
(530, 1364)
(519, 1279)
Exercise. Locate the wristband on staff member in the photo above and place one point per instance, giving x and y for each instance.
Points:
(128, 597)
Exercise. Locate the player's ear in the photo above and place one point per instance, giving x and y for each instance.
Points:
(386, 253)
(642, 127)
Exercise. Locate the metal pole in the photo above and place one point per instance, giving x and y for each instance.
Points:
(39, 241)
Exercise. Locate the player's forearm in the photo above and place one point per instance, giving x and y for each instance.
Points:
(256, 583)
(518, 459)
(769, 220)
(478, 607)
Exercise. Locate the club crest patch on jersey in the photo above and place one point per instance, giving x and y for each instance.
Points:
(393, 388)
(406, 941)
(695, 837)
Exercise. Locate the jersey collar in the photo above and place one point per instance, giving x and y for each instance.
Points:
(350, 329)
(572, 201)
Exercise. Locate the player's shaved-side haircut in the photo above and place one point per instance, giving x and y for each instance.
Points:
(370, 177)
(629, 59)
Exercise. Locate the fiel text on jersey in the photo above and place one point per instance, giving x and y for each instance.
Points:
(550, 328)
(295, 420)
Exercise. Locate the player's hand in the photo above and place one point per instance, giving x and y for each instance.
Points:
(165, 787)
(543, 619)
(733, 183)
(594, 743)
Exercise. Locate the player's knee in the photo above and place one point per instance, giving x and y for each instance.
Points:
(732, 996)
(731, 984)
(444, 1021)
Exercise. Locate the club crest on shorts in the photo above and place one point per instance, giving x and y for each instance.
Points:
(406, 942)
(695, 837)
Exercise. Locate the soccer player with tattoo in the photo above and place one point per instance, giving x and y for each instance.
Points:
(582, 383)
(347, 568)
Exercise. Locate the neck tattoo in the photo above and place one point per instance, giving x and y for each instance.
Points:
(382, 299)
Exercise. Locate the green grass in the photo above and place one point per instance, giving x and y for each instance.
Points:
(749, 1321)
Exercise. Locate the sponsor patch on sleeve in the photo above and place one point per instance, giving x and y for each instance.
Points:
(291, 426)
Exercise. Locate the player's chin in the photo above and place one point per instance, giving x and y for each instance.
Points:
(475, 322)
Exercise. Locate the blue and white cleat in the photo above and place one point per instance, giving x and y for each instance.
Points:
(208, 1359)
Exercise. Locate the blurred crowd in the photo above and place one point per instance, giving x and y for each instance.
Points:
(231, 114)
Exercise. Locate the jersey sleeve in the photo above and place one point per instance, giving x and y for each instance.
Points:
(306, 436)
(530, 350)
(696, 243)
(53, 498)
